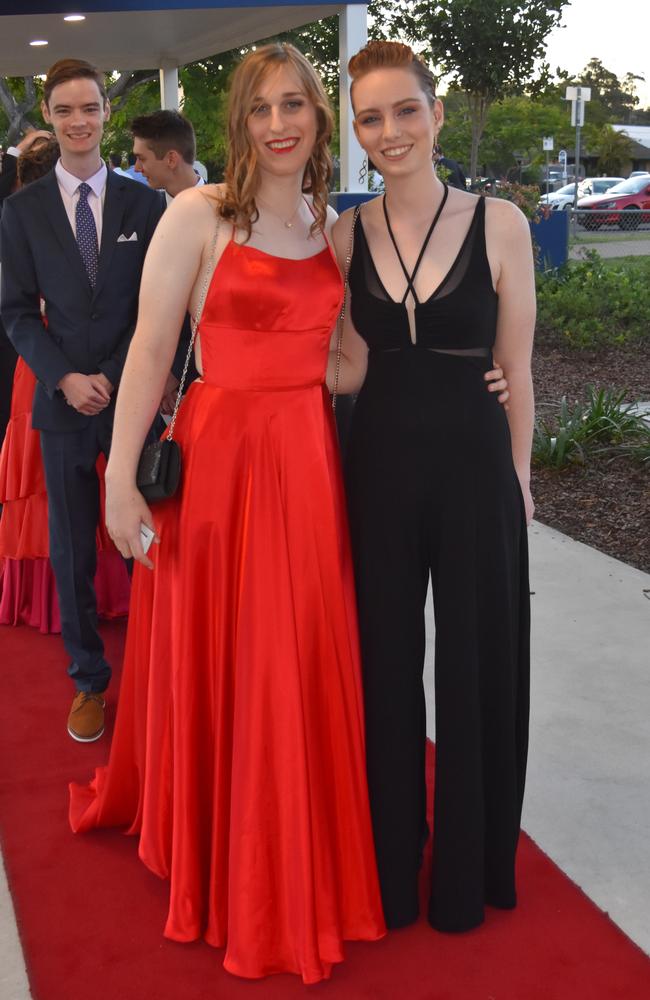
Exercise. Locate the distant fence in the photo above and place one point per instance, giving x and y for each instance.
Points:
(627, 220)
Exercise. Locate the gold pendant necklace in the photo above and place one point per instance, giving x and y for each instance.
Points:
(287, 223)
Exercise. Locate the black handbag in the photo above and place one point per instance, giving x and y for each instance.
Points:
(159, 469)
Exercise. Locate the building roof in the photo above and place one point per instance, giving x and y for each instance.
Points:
(142, 34)
(640, 135)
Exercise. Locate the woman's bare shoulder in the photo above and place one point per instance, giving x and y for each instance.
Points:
(501, 214)
(345, 221)
(341, 230)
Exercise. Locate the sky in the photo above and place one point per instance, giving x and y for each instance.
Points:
(615, 31)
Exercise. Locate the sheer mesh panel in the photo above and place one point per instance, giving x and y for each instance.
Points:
(448, 284)
(471, 352)
(459, 268)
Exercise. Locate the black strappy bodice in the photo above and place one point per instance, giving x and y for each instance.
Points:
(460, 315)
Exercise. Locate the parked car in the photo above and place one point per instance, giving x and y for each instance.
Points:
(597, 185)
(563, 199)
(621, 206)
(560, 199)
(639, 173)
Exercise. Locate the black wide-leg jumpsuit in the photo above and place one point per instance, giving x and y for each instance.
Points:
(433, 493)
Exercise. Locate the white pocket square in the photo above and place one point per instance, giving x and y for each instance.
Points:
(127, 239)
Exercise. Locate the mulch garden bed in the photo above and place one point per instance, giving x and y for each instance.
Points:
(605, 503)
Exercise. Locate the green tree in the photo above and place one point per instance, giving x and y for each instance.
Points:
(617, 100)
(613, 149)
(489, 48)
(513, 123)
(19, 106)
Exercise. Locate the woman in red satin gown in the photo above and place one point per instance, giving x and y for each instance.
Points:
(27, 586)
(238, 754)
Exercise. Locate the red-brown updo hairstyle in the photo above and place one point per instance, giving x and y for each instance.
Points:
(392, 55)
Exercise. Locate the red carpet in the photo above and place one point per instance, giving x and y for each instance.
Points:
(91, 915)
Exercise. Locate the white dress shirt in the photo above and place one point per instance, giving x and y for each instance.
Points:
(69, 188)
(170, 197)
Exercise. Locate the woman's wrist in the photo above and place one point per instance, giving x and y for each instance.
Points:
(119, 478)
(523, 474)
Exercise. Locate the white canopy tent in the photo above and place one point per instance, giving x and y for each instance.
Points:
(167, 34)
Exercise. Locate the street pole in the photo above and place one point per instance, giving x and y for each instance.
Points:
(578, 97)
(578, 107)
(547, 146)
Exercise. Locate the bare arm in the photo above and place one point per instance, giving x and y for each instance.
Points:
(354, 350)
(171, 280)
(510, 245)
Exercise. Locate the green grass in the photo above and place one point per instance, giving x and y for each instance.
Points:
(583, 238)
(628, 261)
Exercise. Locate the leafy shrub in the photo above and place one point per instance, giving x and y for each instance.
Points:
(590, 304)
(641, 452)
(559, 441)
(524, 196)
(605, 422)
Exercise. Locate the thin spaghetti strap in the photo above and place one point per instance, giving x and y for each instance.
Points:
(410, 278)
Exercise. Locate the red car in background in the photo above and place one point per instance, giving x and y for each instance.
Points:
(622, 206)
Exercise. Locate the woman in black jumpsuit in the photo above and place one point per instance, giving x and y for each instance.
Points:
(433, 493)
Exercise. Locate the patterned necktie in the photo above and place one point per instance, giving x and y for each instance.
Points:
(87, 233)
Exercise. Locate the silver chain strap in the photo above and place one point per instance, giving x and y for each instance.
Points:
(195, 326)
(339, 339)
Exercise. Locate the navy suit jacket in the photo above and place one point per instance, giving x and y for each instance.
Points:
(88, 330)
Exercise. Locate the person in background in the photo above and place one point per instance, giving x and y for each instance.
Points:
(9, 171)
(76, 239)
(27, 586)
(452, 173)
(114, 162)
(201, 170)
(8, 356)
(131, 169)
(164, 145)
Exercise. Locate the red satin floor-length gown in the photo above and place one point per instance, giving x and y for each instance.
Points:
(27, 585)
(238, 754)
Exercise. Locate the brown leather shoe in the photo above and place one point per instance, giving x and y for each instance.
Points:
(86, 719)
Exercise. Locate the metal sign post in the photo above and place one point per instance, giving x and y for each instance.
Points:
(547, 146)
(519, 158)
(578, 97)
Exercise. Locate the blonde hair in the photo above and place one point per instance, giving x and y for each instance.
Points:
(241, 174)
(392, 55)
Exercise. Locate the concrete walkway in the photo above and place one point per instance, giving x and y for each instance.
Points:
(587, 797)
(13, 978)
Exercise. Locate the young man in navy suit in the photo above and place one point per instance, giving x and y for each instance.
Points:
(76, 239)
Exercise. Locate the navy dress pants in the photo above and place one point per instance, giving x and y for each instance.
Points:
(73, 505)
